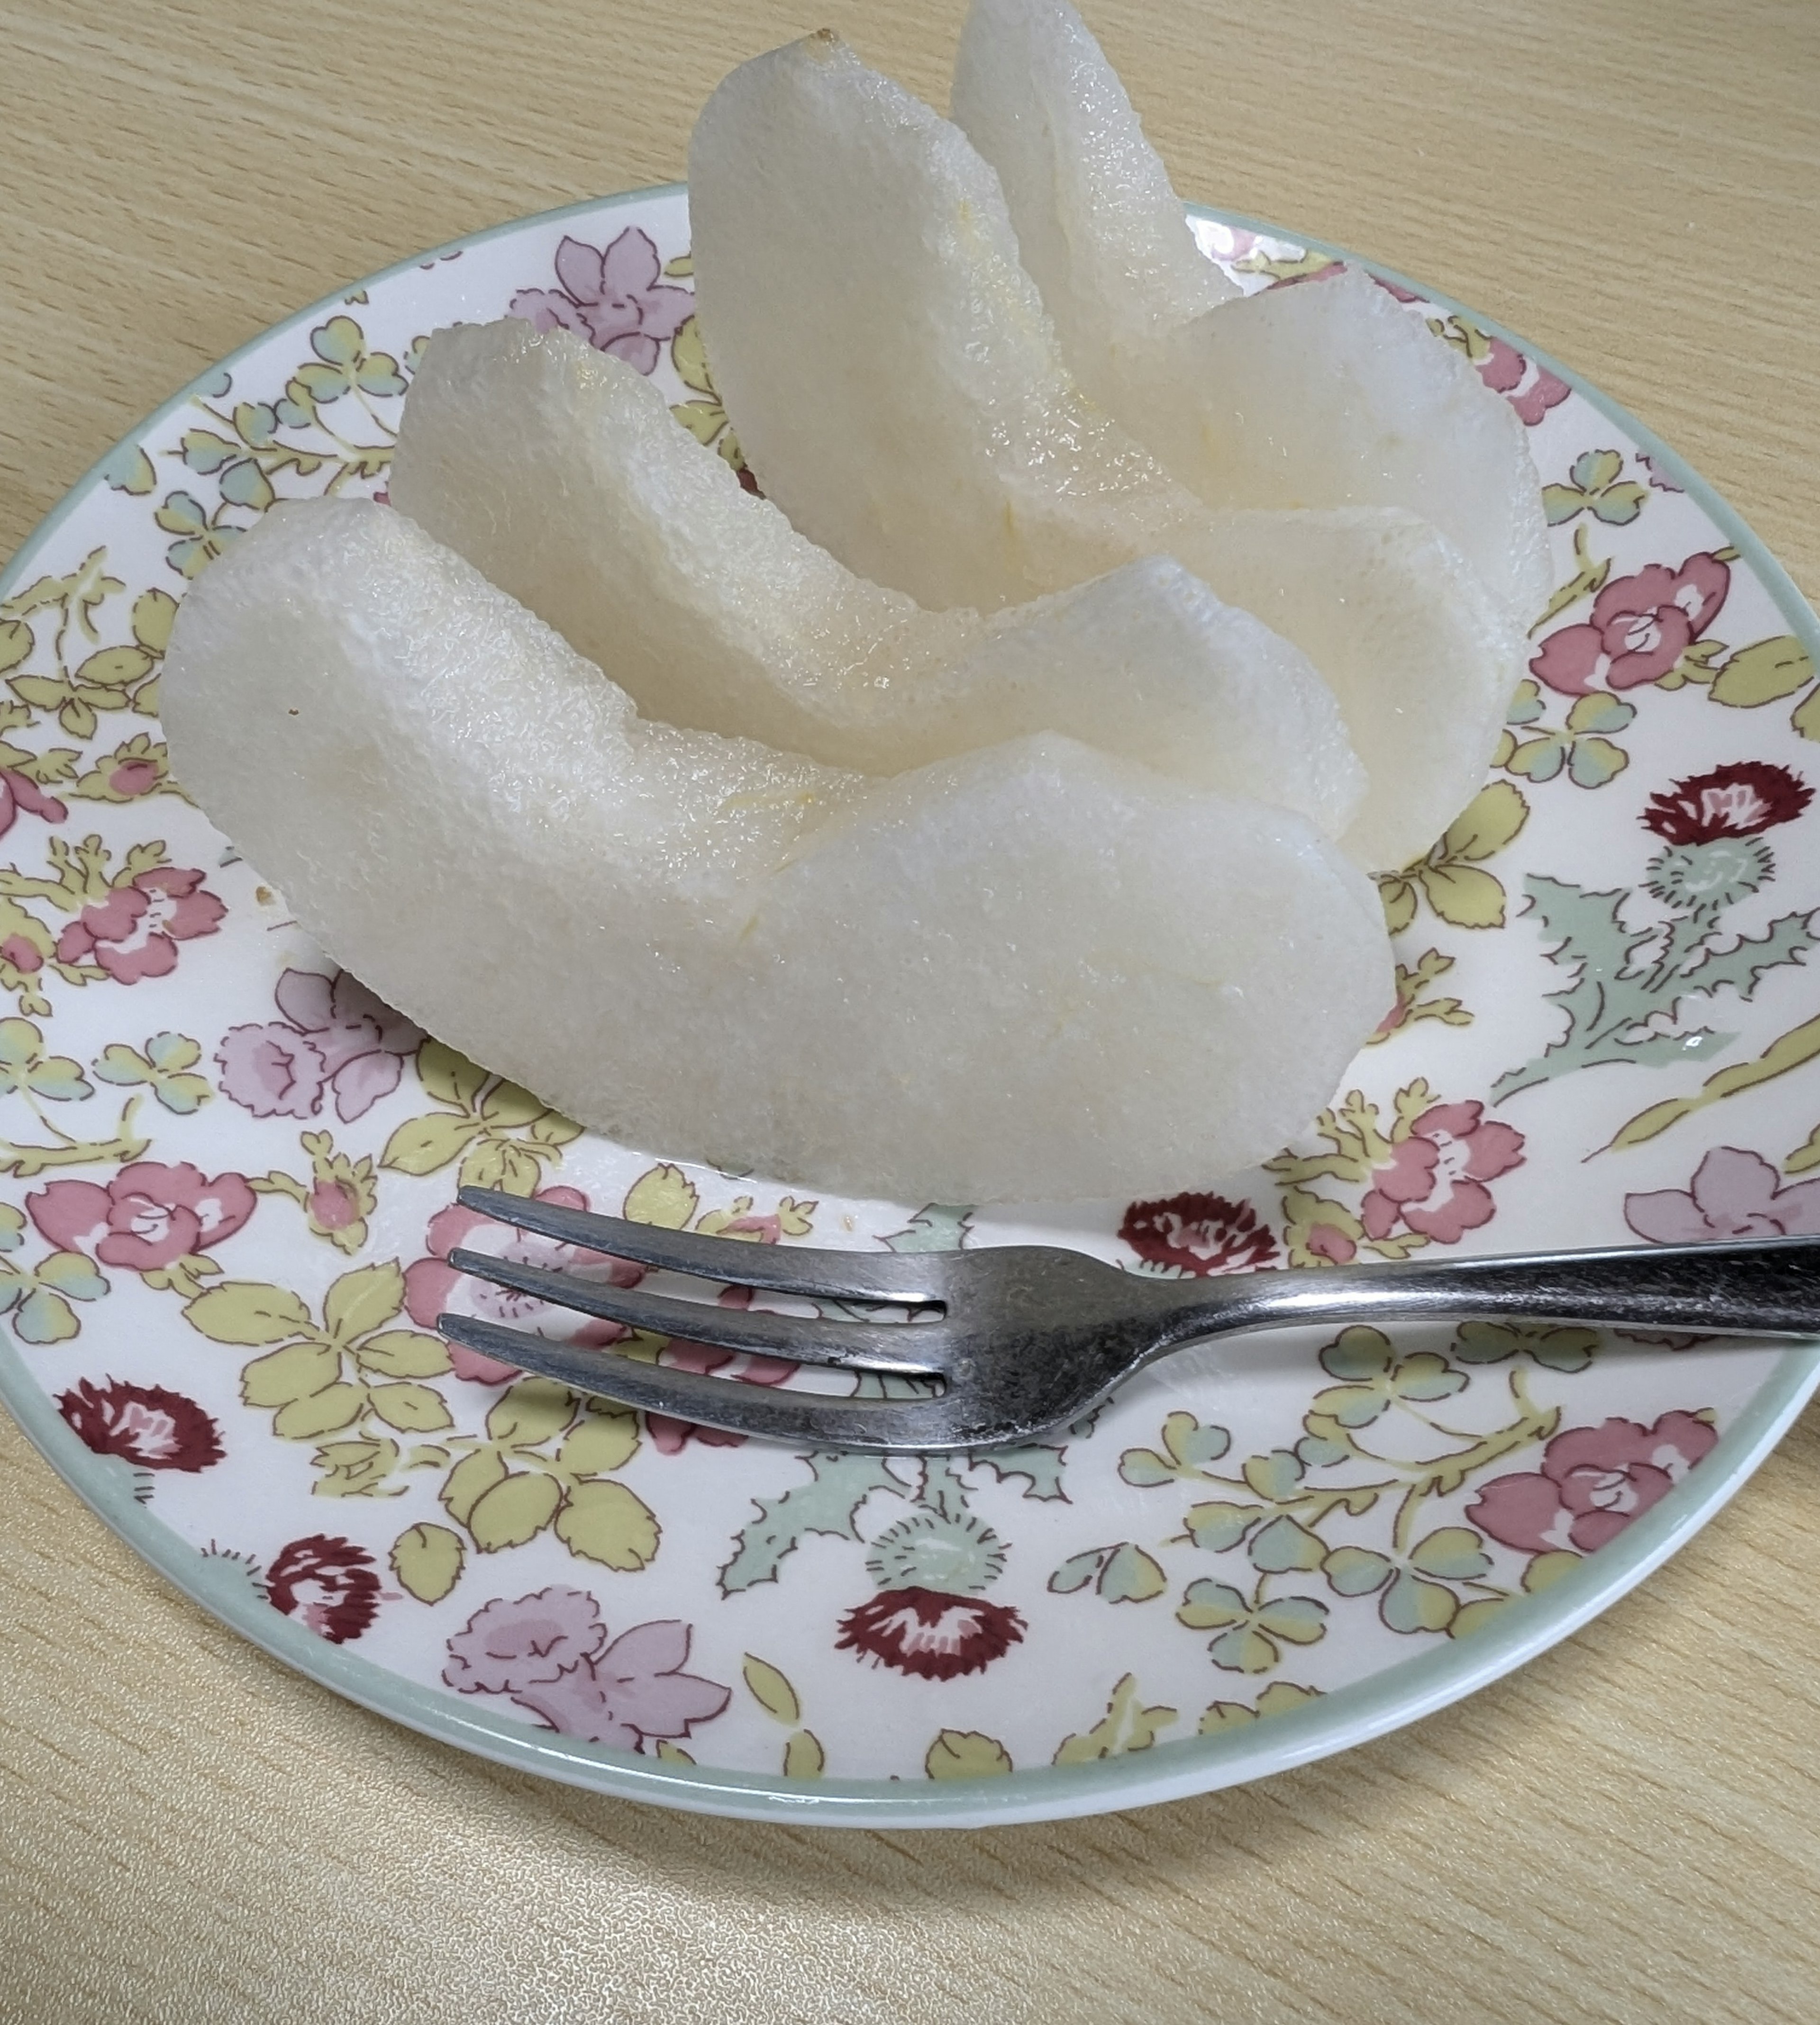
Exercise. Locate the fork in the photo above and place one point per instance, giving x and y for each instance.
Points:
(1022, 1339)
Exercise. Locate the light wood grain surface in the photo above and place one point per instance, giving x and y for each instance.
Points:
(1627, 1830)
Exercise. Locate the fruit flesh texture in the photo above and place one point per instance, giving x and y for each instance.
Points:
(906, 404)
(1332, 394)
(559, 472)
(1032, 970)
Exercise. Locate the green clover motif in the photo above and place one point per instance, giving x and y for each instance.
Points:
(25, 1066)
(163, 1066)
(1412, 1592)
(1580, 746)
(1557, 1346)
(1251, 1634)
(342, 363)
(1593, 487)
(1376, 1379)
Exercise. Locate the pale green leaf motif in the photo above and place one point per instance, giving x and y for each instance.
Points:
(413, 1409)
(665, 1196)
(427, 1560)
(966, 1753)
(517, 1509)
(364, 1300)
(403, 1354)
(324, 1412)
(602, 1521)
(247, 1312)
(530, 1412)
(600, 1442)
(773, 1693)
(283, 1376)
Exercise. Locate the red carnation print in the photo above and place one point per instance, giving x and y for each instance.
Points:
(930, 1633)
(142, 1424)
(134, 933)
(1639, 627)
(1592, 1482)
(149, 1216)
(1742, 800)
(328, 1583)
(1199, 1234)
(1434, 1182)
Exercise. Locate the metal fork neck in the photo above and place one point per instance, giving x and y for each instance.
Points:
(1769, 1286)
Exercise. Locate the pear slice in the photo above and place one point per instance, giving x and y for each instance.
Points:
(1327, 396)
(904, 402)
(1033, 971)
(559, 472)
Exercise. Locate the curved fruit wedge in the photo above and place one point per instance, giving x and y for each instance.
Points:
(1032, 970)
(904, 402)
(559, 472)
(1334, 395)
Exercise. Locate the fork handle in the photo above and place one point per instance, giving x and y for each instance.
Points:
(1768, 1286)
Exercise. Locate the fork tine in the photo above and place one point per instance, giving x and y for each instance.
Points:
(803, 1340)
(804, 1419)
(910, 1279)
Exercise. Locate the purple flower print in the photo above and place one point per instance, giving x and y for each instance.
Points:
(613, 297)
(1733, 1194)
(548, 1652)
(339, 1038)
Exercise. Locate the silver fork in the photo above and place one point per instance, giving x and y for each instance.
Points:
(1024, 1339)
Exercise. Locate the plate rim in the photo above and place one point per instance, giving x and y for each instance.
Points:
(1387, 1700)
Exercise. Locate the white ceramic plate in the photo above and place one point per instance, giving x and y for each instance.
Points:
(232, 1176)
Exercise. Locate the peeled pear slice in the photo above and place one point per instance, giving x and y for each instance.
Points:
(1033, 971)
(1327, 394)
(560, 473)
(904, 402)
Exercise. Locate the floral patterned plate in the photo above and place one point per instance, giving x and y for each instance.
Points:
(232, 1176)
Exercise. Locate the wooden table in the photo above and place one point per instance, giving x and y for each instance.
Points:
(1624, 1830)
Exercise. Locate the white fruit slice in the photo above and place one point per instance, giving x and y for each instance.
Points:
(559, 472)
(1100, 228)
(1332, 394)
(1033, 971)
(904, 402)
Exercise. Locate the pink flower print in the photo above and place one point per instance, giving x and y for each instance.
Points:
(1434, 1182)
(670, 1436)
(1592, 1482)
(25, 956)
(1640, 626)
(327, 1581)
(1532, 390)
(548, 1652)
(133, 778)
(149, 1216)
(18, 793)
(336, 1036)
(1733, 1194)
(614, 298)
(274, 1071)
(333, 1206)
(432, 1287)
(134, 933)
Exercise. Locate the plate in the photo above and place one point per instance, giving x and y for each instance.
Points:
(231, 1176)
